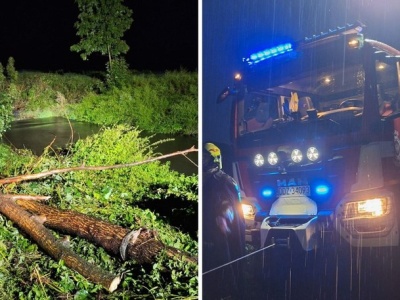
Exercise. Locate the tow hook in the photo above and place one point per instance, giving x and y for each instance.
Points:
(281, 242)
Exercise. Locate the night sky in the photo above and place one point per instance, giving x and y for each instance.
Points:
(39, 33)
(234, 29)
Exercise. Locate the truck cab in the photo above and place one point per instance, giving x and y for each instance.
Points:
(315, 135)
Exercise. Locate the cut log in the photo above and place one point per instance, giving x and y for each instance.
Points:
(48, 242)
(141, 245)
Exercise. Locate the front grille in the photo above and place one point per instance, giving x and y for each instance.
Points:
(292, 222)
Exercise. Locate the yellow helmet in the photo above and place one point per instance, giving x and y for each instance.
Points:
(215, 152)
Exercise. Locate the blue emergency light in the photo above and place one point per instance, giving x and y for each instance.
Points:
(267, 192)
(322, 189)
(268, 53)
(287, 47)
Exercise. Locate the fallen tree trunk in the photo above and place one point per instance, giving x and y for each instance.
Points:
(141, 245)
(47, 241)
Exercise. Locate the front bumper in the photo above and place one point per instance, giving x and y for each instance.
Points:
(290, 232)
(349, 221)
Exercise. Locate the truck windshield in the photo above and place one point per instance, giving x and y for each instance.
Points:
(333, 89)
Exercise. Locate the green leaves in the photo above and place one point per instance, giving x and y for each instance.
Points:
(101, 25)
(5, 112)
(157, 103)
(118, 196)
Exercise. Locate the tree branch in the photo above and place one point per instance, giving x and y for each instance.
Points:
(28, 177)
(141, 245)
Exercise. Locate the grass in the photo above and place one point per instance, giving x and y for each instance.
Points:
(127, 197)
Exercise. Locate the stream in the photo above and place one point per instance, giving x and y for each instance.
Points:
(36, 134)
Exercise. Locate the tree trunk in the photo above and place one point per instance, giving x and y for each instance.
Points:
(141, 245)
(47, 241)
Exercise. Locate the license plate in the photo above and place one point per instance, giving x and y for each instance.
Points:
(294, 190)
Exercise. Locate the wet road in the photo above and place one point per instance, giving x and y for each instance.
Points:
(335, 273)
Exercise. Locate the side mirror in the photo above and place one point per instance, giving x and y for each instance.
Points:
(226, 92)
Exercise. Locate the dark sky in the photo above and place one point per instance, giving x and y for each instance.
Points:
(233, 29)
(39, 33)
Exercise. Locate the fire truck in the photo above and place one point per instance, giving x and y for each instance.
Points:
(316, 146)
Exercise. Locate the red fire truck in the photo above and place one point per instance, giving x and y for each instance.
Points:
(315, 133)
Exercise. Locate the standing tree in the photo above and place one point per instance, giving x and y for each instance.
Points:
(8, 78)
(2, 77)
(12, 73)
(101, 26)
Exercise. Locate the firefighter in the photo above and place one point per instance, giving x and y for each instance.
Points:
(223, 230)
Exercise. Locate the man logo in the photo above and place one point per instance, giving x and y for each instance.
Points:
(291, 182)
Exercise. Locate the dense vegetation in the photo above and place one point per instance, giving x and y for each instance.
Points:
(156, 103)
(162, 104)
(120, 196)
(150, 195)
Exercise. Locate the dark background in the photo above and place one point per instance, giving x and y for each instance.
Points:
(39, 34)
(234, 29)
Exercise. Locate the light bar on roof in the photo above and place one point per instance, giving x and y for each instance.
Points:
(287, 47)
(340, 29)
(268, 53)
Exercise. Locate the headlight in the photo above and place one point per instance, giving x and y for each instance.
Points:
(370, 208)
(248, 210)
(258, 160)
(272, 158)
(374, 207)
(368, 217)
(312, 153)
(296, 156)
